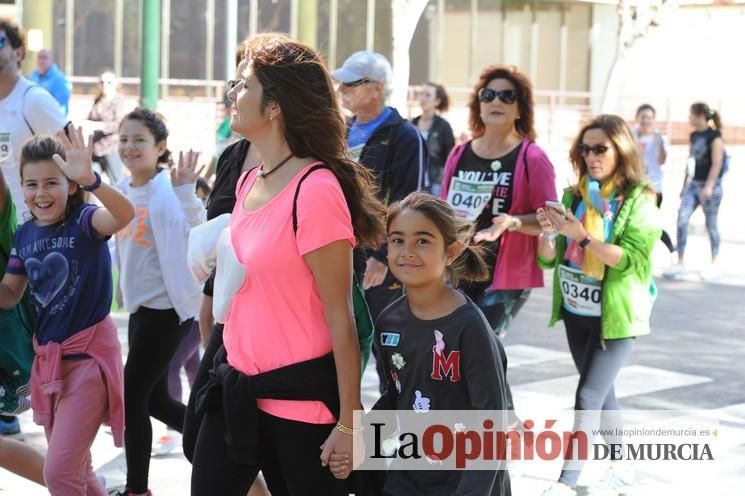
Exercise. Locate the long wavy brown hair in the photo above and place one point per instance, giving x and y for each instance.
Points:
(630, 169)
(293, 75)
(521, 82)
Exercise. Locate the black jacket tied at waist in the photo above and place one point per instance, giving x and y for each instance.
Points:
(311, 380)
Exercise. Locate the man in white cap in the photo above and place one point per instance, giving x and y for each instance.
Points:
(388, 145)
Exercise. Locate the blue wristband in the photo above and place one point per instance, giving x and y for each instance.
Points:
(95, 185)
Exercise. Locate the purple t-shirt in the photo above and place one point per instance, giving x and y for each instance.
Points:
(69, 274)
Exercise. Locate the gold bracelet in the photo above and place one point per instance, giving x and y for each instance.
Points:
(346, 430)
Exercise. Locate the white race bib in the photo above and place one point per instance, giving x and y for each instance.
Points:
(6, 149)
(469, 197)
(582, 294)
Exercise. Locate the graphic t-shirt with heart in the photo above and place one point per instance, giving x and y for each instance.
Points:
(69, 274)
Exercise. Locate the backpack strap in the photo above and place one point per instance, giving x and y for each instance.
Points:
(297, 193)
(23, 108)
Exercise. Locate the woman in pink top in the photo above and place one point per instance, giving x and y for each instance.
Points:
(291, 325)
(498, 180)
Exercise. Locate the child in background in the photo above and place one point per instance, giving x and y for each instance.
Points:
(156, 286)
(62, 255)
(429, 252)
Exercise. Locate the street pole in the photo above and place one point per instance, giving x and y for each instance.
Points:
(150, 53)
(308, 22)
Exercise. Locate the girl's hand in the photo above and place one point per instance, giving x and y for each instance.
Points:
(568, 225)
(185, 172)
(706, 193)
(340, 444)
(500, 223)
(79, 164)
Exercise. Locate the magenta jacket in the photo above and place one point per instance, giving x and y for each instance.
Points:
(516, 261)
(101, 342)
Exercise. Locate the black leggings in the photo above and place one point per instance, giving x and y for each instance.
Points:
(289, 453)
(665, 236)
(192, 421)
(597, 369)
(154, 336)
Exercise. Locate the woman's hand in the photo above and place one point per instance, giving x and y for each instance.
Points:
(374, 273)
(340, 446)
(706, 193)
(566, 224)
(79, 164)
(500, 224)
(185, 172)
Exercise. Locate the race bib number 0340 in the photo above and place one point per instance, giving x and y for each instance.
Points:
(582, 294)
(468, 198)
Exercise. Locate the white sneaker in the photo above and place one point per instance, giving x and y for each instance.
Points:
(674, 271)
(166, 444)
(711, 272)
(616, 480)
(558, 489)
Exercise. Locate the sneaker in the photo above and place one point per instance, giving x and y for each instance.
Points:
(711, 272)
(125, 492)
(559, 489)
(166, 444)
(10, 428)
(674, 271)
(615, 481)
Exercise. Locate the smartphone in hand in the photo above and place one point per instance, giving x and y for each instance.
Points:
(556, 206)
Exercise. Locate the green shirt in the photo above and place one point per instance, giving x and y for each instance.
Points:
(8, 224)
(627, 300)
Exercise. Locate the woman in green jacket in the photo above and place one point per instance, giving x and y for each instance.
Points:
(603, 289)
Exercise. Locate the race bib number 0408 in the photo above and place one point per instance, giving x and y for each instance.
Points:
(468, 198)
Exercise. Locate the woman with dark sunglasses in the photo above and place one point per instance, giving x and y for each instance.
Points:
(498, 180)
(603, 286)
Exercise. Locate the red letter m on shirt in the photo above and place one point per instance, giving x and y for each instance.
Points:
(447, 366)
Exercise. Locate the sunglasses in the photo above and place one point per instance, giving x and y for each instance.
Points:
(359, 82)
(233, 83)
(487, 95)
(598, 150)
(3, 39)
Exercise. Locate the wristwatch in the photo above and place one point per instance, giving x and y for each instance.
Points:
(95, 185)
(514, 224)
(583, 244)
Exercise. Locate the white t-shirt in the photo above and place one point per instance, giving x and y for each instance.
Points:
(650, 148)
(44, 116)
(141, 278)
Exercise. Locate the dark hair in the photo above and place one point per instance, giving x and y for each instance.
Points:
(441, 94)
(700, 108)
(630, 170)
(15, 36)
(156, 124)
(643, 107)
(202, 184)
(43, 147)
(293, 76)
(525, 104)
(469, 265)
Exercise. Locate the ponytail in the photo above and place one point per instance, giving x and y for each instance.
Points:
(714, 117)
(711, 115)
(469, 265)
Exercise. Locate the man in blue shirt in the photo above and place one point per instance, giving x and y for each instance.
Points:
(48, 76)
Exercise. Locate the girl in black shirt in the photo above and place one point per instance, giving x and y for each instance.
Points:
(438, 350)
(703, 184)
